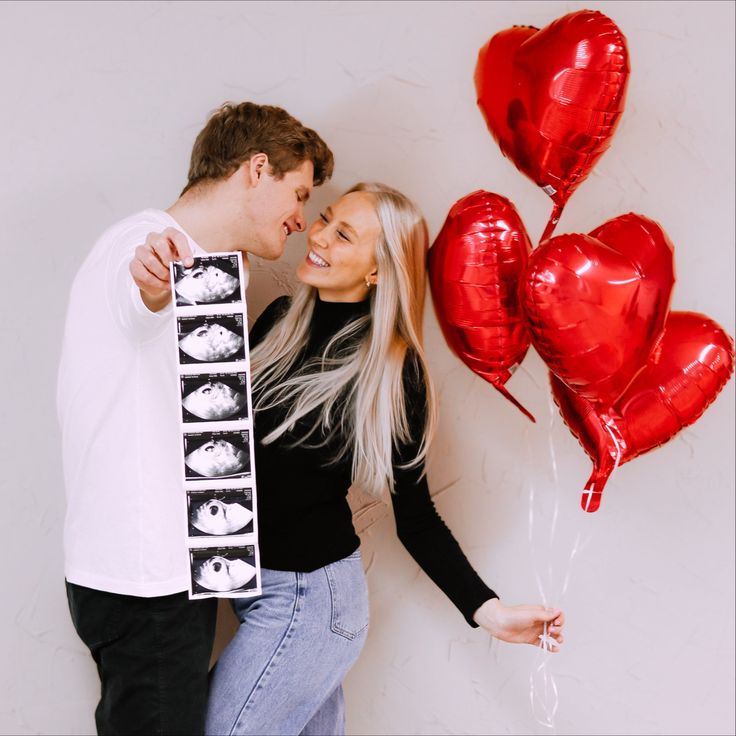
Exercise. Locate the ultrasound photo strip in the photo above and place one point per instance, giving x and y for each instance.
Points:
(215, 419)
(222, 571)
(215, 279)
(220, 512)
(212, 338)
(214, 397)
(217, 454)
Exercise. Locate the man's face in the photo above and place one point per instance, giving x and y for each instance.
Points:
(276, 209)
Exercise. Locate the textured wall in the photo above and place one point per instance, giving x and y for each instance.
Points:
(101, 104)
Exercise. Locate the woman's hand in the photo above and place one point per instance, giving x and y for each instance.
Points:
(521, 624)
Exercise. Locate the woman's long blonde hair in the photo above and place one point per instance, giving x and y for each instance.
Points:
(358, 387)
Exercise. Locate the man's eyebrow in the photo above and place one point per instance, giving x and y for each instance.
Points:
(303, 193)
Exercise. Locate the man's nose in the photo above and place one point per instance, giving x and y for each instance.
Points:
(300, 223)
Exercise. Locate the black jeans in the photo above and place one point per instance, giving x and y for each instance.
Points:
(152, 655)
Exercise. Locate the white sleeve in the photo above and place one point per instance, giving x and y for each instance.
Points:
(123, 297)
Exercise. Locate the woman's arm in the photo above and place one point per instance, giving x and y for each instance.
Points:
(429, 541)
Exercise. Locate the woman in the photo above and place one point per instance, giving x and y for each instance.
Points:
(342, 395)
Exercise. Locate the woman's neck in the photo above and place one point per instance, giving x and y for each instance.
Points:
(330, 317)
(359, 294)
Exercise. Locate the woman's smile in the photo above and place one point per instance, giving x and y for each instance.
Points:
(315, 260)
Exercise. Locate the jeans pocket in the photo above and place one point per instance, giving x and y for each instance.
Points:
(349, 596)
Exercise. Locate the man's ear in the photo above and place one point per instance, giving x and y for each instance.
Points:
(256, 167)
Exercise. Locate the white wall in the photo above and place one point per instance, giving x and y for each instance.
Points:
(101, 103)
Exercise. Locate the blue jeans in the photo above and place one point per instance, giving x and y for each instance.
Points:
(282, 672)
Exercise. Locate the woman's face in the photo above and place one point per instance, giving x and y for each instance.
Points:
(341, 249)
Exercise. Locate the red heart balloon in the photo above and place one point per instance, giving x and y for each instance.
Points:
(552, 98)
(475, 266)
(596, 304)
(684, 374)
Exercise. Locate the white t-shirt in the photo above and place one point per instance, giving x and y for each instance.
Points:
(125, 528)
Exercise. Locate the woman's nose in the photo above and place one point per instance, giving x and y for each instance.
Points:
(319, 239)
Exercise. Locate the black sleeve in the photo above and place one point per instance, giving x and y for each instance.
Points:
(419, 527)
(267, 319)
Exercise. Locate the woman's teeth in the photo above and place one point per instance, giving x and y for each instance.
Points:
(312, 257)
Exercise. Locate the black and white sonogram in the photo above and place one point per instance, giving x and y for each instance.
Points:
(213, 339)
(220, 512)
(214, 397)
(211, 280)
(217, 454)
(223, 569)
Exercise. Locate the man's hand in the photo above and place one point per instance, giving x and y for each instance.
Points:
(150, 265)
(521, 624)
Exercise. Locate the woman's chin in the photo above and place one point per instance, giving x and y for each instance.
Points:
(306, 275)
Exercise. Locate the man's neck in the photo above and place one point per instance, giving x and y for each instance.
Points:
(205, 219)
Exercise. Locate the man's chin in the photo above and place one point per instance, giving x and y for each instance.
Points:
(273, 254)
(266, 251)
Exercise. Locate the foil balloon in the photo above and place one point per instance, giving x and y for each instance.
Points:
(552, 98)
(475, 267)
(683, 375)
(596, 304)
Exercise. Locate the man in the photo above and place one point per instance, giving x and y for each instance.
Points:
(252, 170)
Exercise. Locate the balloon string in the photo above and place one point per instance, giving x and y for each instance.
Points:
(543, 692)
(548, 693)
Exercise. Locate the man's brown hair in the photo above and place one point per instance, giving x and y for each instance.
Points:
(236, 132)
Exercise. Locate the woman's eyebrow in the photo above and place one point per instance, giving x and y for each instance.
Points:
(348, 226)
(342, 223)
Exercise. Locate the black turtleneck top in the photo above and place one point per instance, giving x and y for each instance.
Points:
(304, 519)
